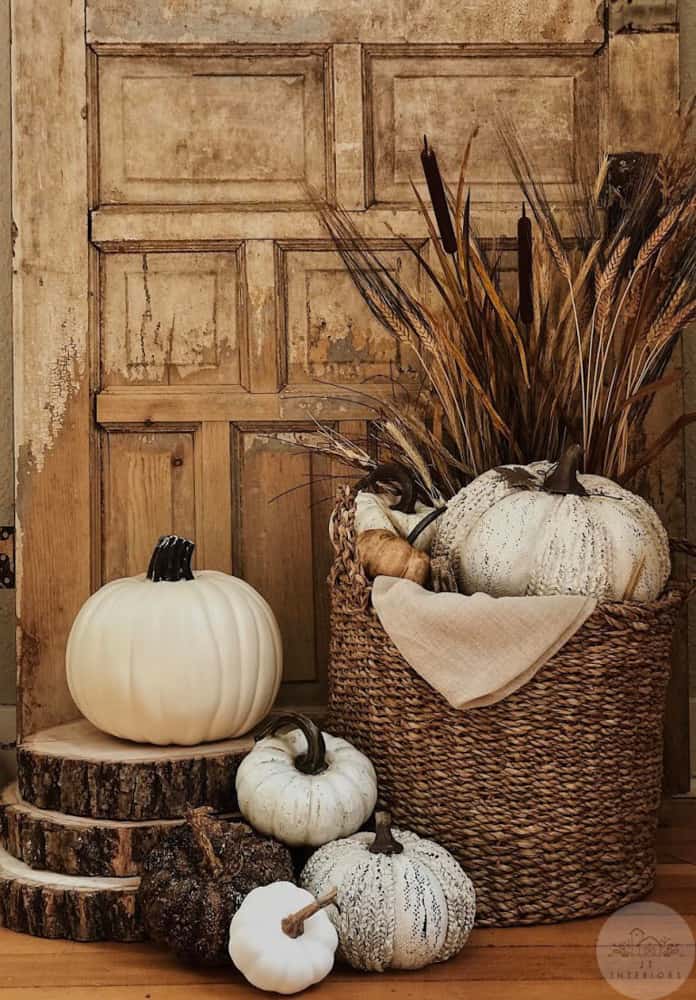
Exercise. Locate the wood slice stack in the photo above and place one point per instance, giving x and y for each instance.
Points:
(86, 810)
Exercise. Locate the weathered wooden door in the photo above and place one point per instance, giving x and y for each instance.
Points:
(178, 306)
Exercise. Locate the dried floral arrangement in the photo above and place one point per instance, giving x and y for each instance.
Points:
(577, 355)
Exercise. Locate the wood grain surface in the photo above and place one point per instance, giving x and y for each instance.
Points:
(551, 962)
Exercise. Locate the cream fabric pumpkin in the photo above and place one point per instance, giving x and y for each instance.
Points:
(373, 512)
(543, 529)
(174, 656)
(305, 787)
(281, 939)
(402, 902)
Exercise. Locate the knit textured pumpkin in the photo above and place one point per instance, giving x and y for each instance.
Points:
(402, 902)
(196, 879)
(544, 529)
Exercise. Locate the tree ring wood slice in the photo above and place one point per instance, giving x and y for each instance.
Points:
(51, 905)
(78, 770)
(76, 845)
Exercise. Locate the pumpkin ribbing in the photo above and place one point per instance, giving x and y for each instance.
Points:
(400, 910)
(305, 787)
(543, 530)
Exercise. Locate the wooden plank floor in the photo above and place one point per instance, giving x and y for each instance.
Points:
(555, 962)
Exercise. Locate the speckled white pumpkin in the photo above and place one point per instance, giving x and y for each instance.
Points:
(543, 529)
(402, 902)
(305, 787)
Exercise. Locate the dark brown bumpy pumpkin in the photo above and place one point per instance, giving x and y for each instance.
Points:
(195, 880)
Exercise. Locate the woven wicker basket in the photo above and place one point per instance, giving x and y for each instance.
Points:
(549, 799)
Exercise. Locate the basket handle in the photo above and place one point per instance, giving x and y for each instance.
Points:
(347, 571)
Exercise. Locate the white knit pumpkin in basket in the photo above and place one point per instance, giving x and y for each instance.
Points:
(544, 529)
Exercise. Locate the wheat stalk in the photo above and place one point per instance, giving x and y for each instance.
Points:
(606, 316)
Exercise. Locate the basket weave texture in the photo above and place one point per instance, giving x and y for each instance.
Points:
(548, 799)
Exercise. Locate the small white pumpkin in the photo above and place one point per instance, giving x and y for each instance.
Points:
(281, 939)
(305, 787)
(544, 529)
(373, 513)
(402, 902)
(174, 656)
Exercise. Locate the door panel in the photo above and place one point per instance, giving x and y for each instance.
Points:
(149, 490)
(162, 370)
(165, 136)
(173, 318)
(327, 331)
(443, 93)
(282, 508)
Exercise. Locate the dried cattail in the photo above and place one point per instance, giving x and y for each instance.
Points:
(580, 359)
(524, 267)
(438, 198)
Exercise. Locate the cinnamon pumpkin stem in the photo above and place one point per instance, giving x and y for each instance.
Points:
(563, 478)
(201, 823)
(171, 559)
(384, 842)
(293, 925)
(313, 760)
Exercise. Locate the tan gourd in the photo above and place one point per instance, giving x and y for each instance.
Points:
(382, 553)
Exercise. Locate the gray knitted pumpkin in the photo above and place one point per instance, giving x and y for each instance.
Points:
(402, 902)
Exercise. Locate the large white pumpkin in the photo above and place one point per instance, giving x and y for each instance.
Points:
(402, 902)
(174, 656)
(305, 787)
(544, 529)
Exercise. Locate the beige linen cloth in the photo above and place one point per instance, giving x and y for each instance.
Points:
(475, 650)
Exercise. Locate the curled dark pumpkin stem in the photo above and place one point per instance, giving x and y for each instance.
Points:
(293, 925)
(171, 559)
(313, 760)
(201, 824)
(395, 475)
(422, 525)
(385, 841)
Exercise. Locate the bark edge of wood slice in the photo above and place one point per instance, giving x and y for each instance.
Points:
(50, 905)
(76, 845)
(77, 770)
